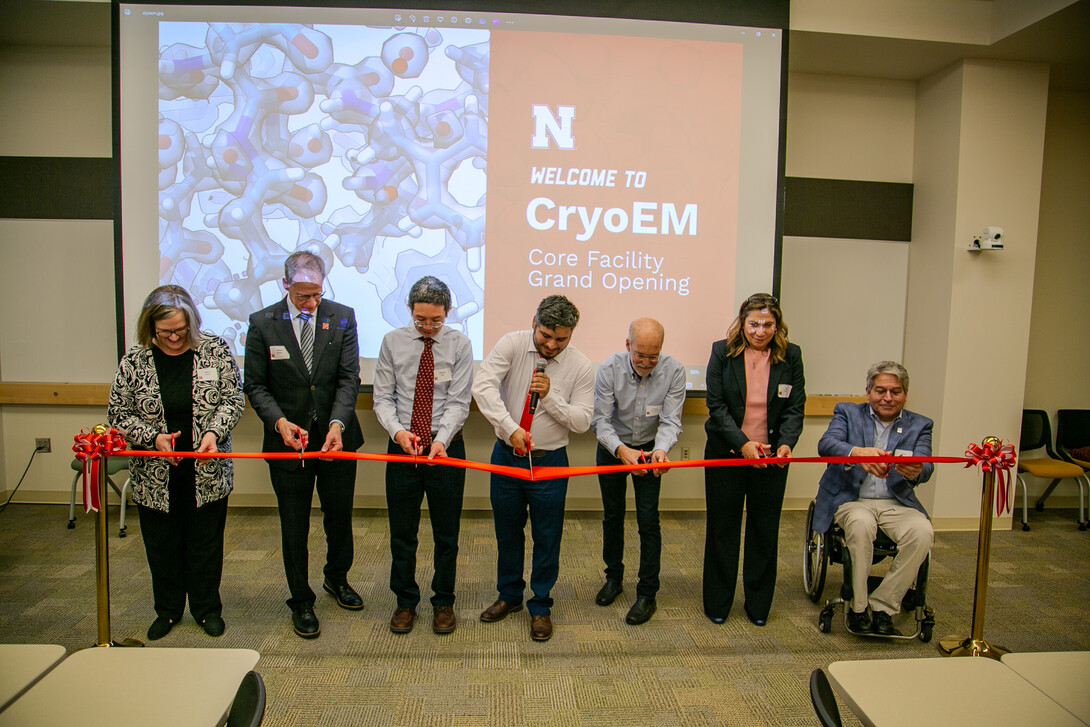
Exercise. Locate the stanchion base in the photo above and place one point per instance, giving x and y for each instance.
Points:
(968, 646)
(126, 643)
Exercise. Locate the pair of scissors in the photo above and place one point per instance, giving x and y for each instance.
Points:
(302, 437)
(416, 447)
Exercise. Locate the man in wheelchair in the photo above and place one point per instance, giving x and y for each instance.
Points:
(864, 497)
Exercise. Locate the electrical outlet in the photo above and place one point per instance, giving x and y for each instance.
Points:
(685, 453)
(42, 444)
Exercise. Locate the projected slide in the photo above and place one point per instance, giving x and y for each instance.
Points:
(629, 165)
(364, 145)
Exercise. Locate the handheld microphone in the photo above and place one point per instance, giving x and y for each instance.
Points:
(534, 396)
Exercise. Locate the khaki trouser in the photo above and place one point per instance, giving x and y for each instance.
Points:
(907, 527)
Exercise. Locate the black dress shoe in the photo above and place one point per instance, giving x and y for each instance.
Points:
(718, 620)
(882, 623)
(213, 624)
(345, 595)
(498, 611)
(159, 628)
(609, 593)
(756, 621)
(859, 623)
(641, 612)
(305, 622)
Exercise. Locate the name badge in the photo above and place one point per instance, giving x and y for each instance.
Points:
(442, 375)
(652, 411)
(208, 374)
(902, 453)
(783, 391)
(279, 353)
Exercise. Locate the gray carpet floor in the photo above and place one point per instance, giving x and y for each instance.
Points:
(678, 669)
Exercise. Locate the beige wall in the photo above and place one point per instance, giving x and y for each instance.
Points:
(838, 127)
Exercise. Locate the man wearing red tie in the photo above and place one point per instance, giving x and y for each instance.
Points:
(421, 393)
(534, 389)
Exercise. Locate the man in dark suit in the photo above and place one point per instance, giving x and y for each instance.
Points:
(302, 378)
(861, 498)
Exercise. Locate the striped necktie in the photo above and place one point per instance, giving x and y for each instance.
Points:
(306, 341)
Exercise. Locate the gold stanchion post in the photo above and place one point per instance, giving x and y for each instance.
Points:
(102, 560)
(974, 644)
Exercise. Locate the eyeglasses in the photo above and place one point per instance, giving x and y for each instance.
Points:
(762, 298)
(428, 325)
(760, 326)
(179, 332)
(645, 357)
(303, 298)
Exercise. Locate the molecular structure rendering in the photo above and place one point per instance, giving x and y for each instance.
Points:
(363, 145)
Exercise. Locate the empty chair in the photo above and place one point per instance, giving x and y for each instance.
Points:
(823, 699)
(1037, 434)
(248, 709)
(1073, 444)
(113, 466)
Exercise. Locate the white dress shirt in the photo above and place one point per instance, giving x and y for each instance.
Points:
(395, 380)
(504, 377)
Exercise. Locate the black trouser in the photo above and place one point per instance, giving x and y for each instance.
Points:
(406, 486)
(614, 487)
(294, 488)
(727, 490)
(185, 549)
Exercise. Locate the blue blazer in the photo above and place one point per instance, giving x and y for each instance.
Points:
(851, 427)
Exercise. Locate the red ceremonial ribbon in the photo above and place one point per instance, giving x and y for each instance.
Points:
(539, 473)
(995, 456)
(90, 447)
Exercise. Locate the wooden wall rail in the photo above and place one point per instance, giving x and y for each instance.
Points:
(33, 393)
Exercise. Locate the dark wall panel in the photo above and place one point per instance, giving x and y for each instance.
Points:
(57, 188)
(848, 209)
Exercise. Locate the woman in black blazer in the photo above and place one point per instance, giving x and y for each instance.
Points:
(755, 355)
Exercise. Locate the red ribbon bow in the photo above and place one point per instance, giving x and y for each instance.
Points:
(995, 456)
(90, 447)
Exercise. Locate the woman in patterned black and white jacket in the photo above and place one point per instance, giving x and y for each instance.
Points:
(178, 390)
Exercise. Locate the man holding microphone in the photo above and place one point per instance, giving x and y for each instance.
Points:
(534, 389)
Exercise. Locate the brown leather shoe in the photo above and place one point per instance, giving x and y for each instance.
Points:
(402, 621)
(444, 621)
(541, 628)
(498, 611)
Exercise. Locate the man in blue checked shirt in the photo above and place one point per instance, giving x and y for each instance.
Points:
(638, 395)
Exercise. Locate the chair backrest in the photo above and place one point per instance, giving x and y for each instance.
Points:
(1036, 432)
(1072, 428)
(823, 699)
(248, 709)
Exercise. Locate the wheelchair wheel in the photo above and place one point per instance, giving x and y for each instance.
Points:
(825, 621)
(926, 632)
(815, 559)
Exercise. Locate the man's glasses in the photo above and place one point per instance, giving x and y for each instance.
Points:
(645, 357)
(303, 298)
(427, 325)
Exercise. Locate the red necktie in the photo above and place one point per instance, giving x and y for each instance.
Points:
(423, 396)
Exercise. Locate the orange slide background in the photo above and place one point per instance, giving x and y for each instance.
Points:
(666, 107)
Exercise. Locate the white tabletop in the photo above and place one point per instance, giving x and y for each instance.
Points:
(112, 686)
(21, 664)
(1062, 675)
(959, 691)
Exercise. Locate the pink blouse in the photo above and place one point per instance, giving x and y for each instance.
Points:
(755, 421)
